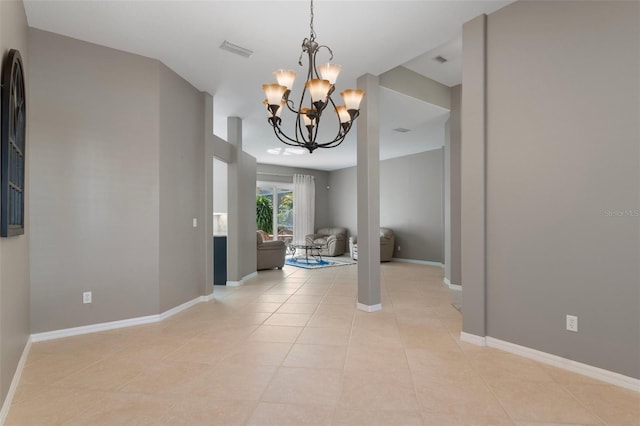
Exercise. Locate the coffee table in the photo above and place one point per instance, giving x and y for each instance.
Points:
(308, 250)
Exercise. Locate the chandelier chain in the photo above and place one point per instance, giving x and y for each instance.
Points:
(313, 33)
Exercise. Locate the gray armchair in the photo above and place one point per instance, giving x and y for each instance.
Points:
(271, 254)
(387, 244)
(332, 241)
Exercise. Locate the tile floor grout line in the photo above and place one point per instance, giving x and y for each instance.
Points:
(575, 398)
(344, 364)
(404, 351)
(279, 367)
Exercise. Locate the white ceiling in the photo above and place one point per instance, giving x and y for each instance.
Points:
(365, 36)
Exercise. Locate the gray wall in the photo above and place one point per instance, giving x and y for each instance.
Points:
(411, 204)
(411, 197)
(271, 173)
(452, 207)
(562, 158)
(455, 185)
(343, 200)
(182, 198)
(220, 182)
(247, 217)
(95, 195)
(14, 251)
(472, 175)
(241, 236)
(410, 83)
(106, 173)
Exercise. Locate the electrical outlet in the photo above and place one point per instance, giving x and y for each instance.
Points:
(86, 297)
(195, 222)
(572, 323)
(399, 248)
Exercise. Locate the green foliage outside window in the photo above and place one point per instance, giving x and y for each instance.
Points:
(285, 212)
(264, 214)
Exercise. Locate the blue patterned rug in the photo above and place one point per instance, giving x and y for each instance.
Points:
(301, 262)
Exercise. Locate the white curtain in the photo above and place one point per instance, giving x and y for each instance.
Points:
(304, 207)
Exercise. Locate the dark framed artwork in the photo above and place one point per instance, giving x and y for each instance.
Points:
(12, 161)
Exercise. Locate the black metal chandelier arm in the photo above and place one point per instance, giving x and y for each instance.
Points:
(333, 143)
(293, 142)
(329, 49)
(302, 53)
(280, 135)
(342, 134)
(292, 106)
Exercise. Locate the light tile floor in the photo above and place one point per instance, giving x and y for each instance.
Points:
(289, 348)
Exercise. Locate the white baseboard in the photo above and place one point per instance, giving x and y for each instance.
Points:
(93, 328)
(207, 297)
(419, 262)
(456, 287)
(567, 364)
(607, 376)
(473, 339)
(171, 312)
(242, 280)
(248, 277)
(369, 308)
(14, 382)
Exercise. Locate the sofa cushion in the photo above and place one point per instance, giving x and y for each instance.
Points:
(332, 231)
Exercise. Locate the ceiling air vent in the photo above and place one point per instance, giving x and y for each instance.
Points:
(234, 48)
(440, 59)
(401, 130)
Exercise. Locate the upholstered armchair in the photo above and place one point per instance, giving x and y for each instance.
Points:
(387, 244)
(332, 241)
(271, 254)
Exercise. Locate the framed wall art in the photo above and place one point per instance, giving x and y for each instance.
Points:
(12, 161)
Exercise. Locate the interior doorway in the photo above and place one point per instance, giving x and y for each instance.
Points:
(220, 212)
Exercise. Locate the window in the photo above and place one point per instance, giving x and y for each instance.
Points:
(274, 214)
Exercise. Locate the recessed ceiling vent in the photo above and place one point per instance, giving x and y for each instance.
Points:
(440, 59)
(238, 50)
(401, 130)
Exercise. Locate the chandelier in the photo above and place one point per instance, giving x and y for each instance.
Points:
(315, 98)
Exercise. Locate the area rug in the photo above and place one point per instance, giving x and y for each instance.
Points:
(301, 262)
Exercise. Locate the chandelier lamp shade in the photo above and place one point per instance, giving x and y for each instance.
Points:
(315, 101)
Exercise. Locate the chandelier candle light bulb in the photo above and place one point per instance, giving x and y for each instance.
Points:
(352, 99)
(285, 78)
(278, 111)
(315, 97)
(318, 89)
(274, 93)
(330, 72)
(345, 118)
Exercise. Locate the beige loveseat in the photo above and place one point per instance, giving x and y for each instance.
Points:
(387, 244)
(332, 241)
(271, 254)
